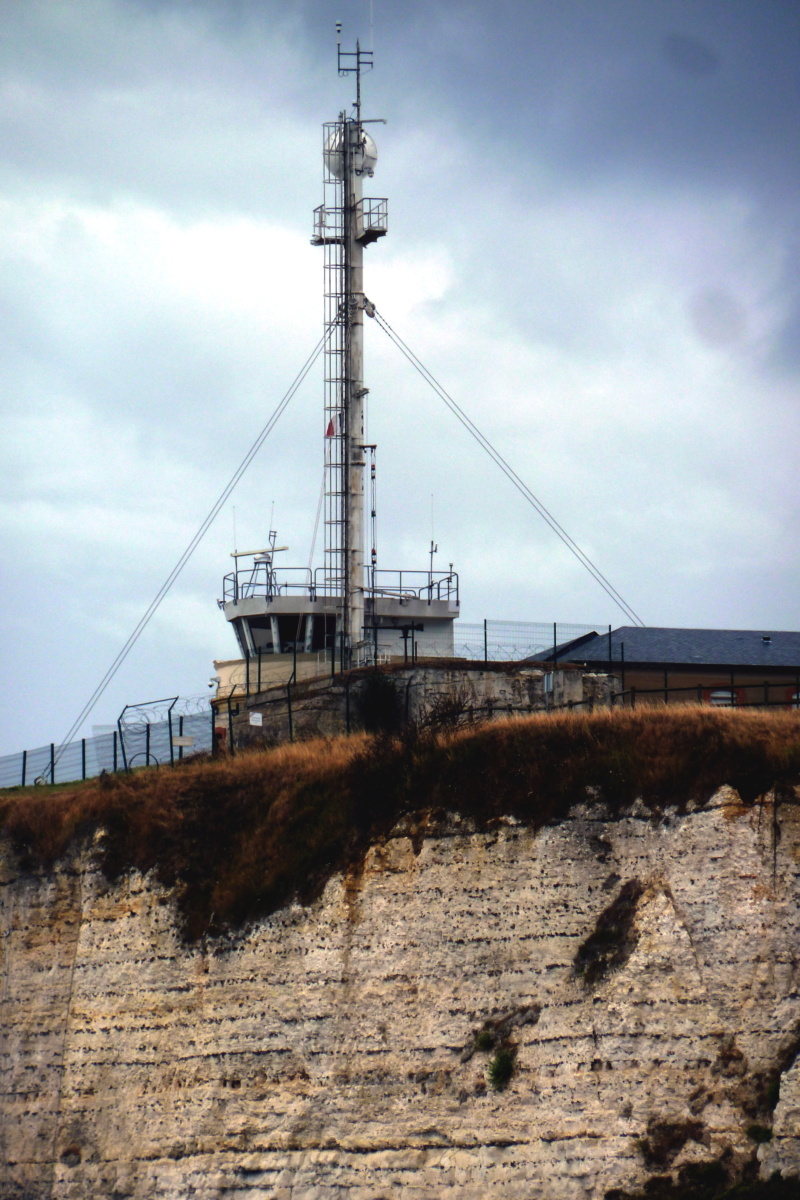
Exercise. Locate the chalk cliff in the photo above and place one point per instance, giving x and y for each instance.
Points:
(639, 975)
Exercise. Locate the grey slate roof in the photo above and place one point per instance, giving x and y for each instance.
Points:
(689, 647)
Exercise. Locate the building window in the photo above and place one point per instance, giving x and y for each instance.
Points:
(722, 697)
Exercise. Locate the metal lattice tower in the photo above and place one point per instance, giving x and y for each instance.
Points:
(329, 230)
(344, 224)
(347, 608)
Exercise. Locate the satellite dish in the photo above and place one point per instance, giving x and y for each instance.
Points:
(365, 155)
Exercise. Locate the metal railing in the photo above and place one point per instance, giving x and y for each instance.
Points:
(372, 217)
(268, 582)
(328, 225)
(742, 695)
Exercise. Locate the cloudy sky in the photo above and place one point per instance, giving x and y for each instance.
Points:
(593, 244)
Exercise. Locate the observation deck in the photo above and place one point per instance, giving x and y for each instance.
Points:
(280, 610)
(372, 222)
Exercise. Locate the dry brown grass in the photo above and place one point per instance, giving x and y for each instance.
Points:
(239, 837)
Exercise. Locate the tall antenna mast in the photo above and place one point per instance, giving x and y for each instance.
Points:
(344, 224)
(347, 606)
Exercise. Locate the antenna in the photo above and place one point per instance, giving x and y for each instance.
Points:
(352, 62)
(344, 225)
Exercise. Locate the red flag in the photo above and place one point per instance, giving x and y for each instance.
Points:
(330, 431)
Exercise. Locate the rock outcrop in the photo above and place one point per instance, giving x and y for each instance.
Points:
(632, 981)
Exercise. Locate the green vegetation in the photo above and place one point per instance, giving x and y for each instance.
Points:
(239, 837)
(501, 1068)
(484, 1040)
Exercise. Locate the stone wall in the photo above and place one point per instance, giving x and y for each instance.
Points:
(482, 691)
(331, 1051)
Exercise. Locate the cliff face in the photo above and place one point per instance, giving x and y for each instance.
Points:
(641, 977)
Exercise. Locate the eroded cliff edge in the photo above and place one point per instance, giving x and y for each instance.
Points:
(641, 969)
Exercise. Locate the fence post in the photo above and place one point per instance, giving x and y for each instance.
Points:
(24, 765)
(485, 640)
(169, 735)
(347, 704)
(147, 744)
(633, 696)
(52, 762)
(230, 727)
(83, 758)
(180, 735)
(289, 710)
(259, 669)
(247, 673)
(115, 751)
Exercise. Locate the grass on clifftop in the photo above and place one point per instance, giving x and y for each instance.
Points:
(239, 837)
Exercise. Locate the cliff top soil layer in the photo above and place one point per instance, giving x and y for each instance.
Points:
(238, 838)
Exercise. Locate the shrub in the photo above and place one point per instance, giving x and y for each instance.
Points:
(484, 1040)
(501, 1068)
(449, 711)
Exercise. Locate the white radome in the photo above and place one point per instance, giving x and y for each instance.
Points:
(365, 158)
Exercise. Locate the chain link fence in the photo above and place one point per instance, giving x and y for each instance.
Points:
(475, 641)
(511, 641)
(150, 742)
(157, 736)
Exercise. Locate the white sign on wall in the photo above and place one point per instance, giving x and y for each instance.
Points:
(256, 718)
